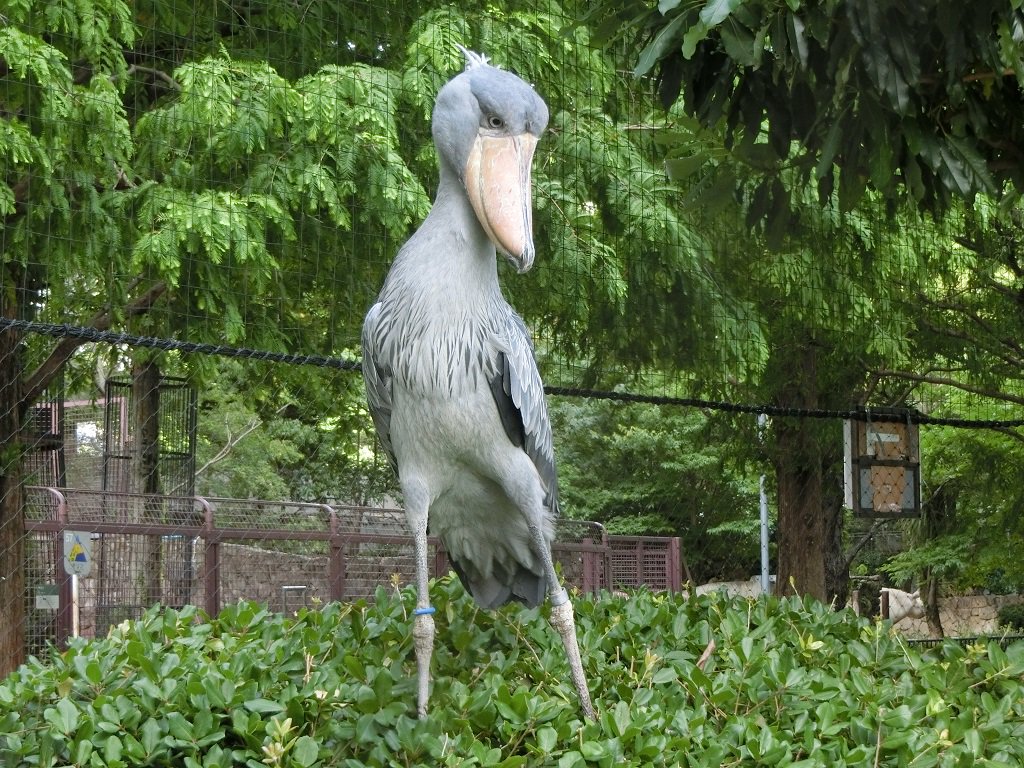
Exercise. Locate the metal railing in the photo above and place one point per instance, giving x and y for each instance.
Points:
(149, 549)
(936, 643)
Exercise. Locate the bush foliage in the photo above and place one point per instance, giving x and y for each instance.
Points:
(789, 683)
(1012, 616)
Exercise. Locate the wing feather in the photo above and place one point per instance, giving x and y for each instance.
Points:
(377, 379)
(519, 394)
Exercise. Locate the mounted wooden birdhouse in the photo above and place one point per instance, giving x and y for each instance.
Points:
(883, 464)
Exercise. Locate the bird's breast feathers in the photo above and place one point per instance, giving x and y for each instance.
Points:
(431, 356)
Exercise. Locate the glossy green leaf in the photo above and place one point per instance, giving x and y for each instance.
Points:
(305, 751)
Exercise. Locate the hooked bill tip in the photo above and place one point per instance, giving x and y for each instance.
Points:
(524, 261)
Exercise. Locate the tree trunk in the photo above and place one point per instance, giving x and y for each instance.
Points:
(801, 527)
(12, 509)
(801, 522)
(837, 569)
(146, 473)
(931, 604)
(939, 518)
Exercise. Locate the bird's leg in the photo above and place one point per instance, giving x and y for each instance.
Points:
(563, 620)
(423, 619)
(423, 638)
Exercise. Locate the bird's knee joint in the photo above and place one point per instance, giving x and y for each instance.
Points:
(562, 617)
(423, 627)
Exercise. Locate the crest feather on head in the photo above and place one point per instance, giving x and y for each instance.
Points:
(473, 59)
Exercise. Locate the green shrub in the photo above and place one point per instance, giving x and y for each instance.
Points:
(790, 683)
(1012, 616)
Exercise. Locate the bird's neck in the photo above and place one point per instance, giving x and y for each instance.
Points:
(452, 246)
(442, 300)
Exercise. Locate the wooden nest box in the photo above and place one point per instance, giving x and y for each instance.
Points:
(883, 464)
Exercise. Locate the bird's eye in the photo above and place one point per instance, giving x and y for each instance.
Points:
(495, 122)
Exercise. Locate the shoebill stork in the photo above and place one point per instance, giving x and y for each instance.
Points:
(451, 379)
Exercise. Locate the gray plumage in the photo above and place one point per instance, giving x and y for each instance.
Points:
(451, 378)
(450, 374)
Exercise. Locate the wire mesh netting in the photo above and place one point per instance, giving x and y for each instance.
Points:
(200, 202)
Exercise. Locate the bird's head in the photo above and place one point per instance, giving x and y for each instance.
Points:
(486, 125)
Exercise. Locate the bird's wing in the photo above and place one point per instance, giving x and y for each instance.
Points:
(377, 378)
(519, 394)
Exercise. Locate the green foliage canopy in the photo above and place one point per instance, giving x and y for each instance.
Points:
(659, 470)
(912, 100)
(263, 165)
(266, 178)
(974, 548)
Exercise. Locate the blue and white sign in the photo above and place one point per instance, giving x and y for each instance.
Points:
(77, 553)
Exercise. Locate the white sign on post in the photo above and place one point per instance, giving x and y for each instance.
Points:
(77, 553)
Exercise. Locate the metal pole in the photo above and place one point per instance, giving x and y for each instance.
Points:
(765, 567)
(76, 618)
(65, 592)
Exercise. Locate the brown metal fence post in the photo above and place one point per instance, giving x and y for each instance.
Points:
(336, 562)
(640, 562)
(596, 564)
(591, 577)
(211, 560)
(605, 564)
(440, 560)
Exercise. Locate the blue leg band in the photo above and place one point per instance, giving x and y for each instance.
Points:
(424, 611)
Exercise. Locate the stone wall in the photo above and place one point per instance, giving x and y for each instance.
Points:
(747, 588)
(284, 581)
(964, 616)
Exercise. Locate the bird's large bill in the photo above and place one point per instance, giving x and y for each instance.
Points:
(498, 183)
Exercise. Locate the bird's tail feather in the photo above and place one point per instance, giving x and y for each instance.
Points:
(493, 591)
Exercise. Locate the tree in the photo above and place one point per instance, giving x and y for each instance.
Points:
(972, 310)
(884, 110)
(973, 525)
(660, 470)
(917, 101)
(288, 433)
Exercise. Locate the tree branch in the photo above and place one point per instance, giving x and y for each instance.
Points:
(174, 84)
(232, 441)
(996, 349)
(1010, 293)
(942, 380)
(41, 377)
(848, 561)
(1009, 433)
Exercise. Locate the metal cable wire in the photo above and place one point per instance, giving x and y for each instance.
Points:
(60, 330)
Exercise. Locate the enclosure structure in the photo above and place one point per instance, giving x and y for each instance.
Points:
(231, 189)
(213, 552)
